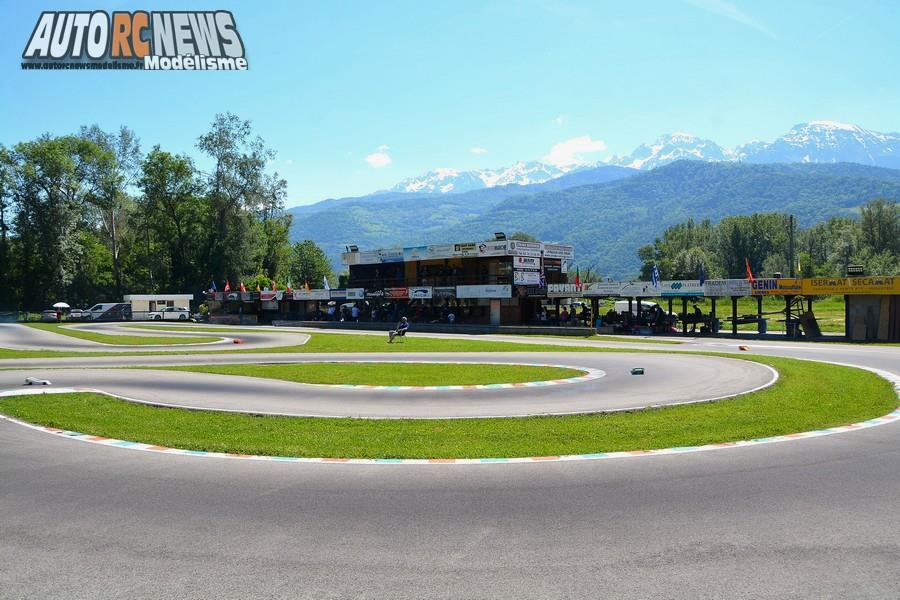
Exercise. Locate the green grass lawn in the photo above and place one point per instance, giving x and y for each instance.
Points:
(807, 396)
(119, 340)
(391, 373)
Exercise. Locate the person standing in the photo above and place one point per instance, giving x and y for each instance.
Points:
(354, 313)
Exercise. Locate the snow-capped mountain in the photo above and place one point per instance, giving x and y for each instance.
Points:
(813, 142)
(445, 181)
(826, 142)
(669, 148)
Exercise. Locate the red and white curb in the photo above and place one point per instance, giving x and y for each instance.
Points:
(891, 417)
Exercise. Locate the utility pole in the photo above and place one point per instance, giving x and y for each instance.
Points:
(791, 245)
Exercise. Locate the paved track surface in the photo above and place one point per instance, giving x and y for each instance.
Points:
(809, 519)
(20, 337)
(666, 381)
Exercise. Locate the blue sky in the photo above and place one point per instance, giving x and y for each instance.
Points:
(424, 83)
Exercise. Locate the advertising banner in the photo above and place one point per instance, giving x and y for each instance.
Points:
(786, 286)
(527, 277)
(374, 293)
(640, 289)
(436, 251)
(559, 251)
(495, 248)
(420, 293)
(602, 288)
(443, 292)
(465, 249)
(526, 262)
(396, 293)
(681, 288)
(726, 287)
(356, 293)
(564, 290)
(267, 296)
(484, 291)
(851, 285)
(517, 248)
(311, 295)
(337, 294)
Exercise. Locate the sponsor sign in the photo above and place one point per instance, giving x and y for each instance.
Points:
(374, 257)
(785, 286)
(436, 251)
(526, 262)
(465, 249)
(484, 291)
(564, 290)
(851, 285)
(517, 248)
(495, 248)
(374, 293)
(527, 277)
(726, 287)
(443, 292)
(559, 251)
(422, 292)
(681, 288)
(338, 294)
(138, 40)
(640, 289)
(356, 293)
(267, 296)
(603, 288)
(396, 293)
(311, 295)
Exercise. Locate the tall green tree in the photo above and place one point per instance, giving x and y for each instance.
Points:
(235, 191)
(310, 264)
(51, 178)
(7, 290)
(173, 215)
(109, 202)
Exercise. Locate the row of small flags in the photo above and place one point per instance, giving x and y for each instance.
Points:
(243, 288)
(701, 273)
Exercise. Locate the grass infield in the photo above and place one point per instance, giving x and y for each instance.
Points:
(390, 373)
(808, 396)
(121, 340)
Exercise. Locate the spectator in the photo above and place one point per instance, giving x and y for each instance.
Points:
(354, 313)
(400, 331)
(564, 317)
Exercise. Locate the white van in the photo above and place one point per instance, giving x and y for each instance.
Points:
(108, 311)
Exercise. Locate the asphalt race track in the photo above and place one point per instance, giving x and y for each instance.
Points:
(812, 518)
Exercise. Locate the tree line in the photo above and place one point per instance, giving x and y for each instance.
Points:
(88, 217)
(826, 249)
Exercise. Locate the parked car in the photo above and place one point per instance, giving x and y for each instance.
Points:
(49, 316)
(170, 313)
(77, 314)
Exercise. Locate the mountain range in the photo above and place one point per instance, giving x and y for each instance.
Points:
(812, 142)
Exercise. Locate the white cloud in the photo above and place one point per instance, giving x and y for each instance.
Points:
(558, 120)
(568, 153)
(383, 148)
(478, 150)
(379, 159)
(726, 9)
